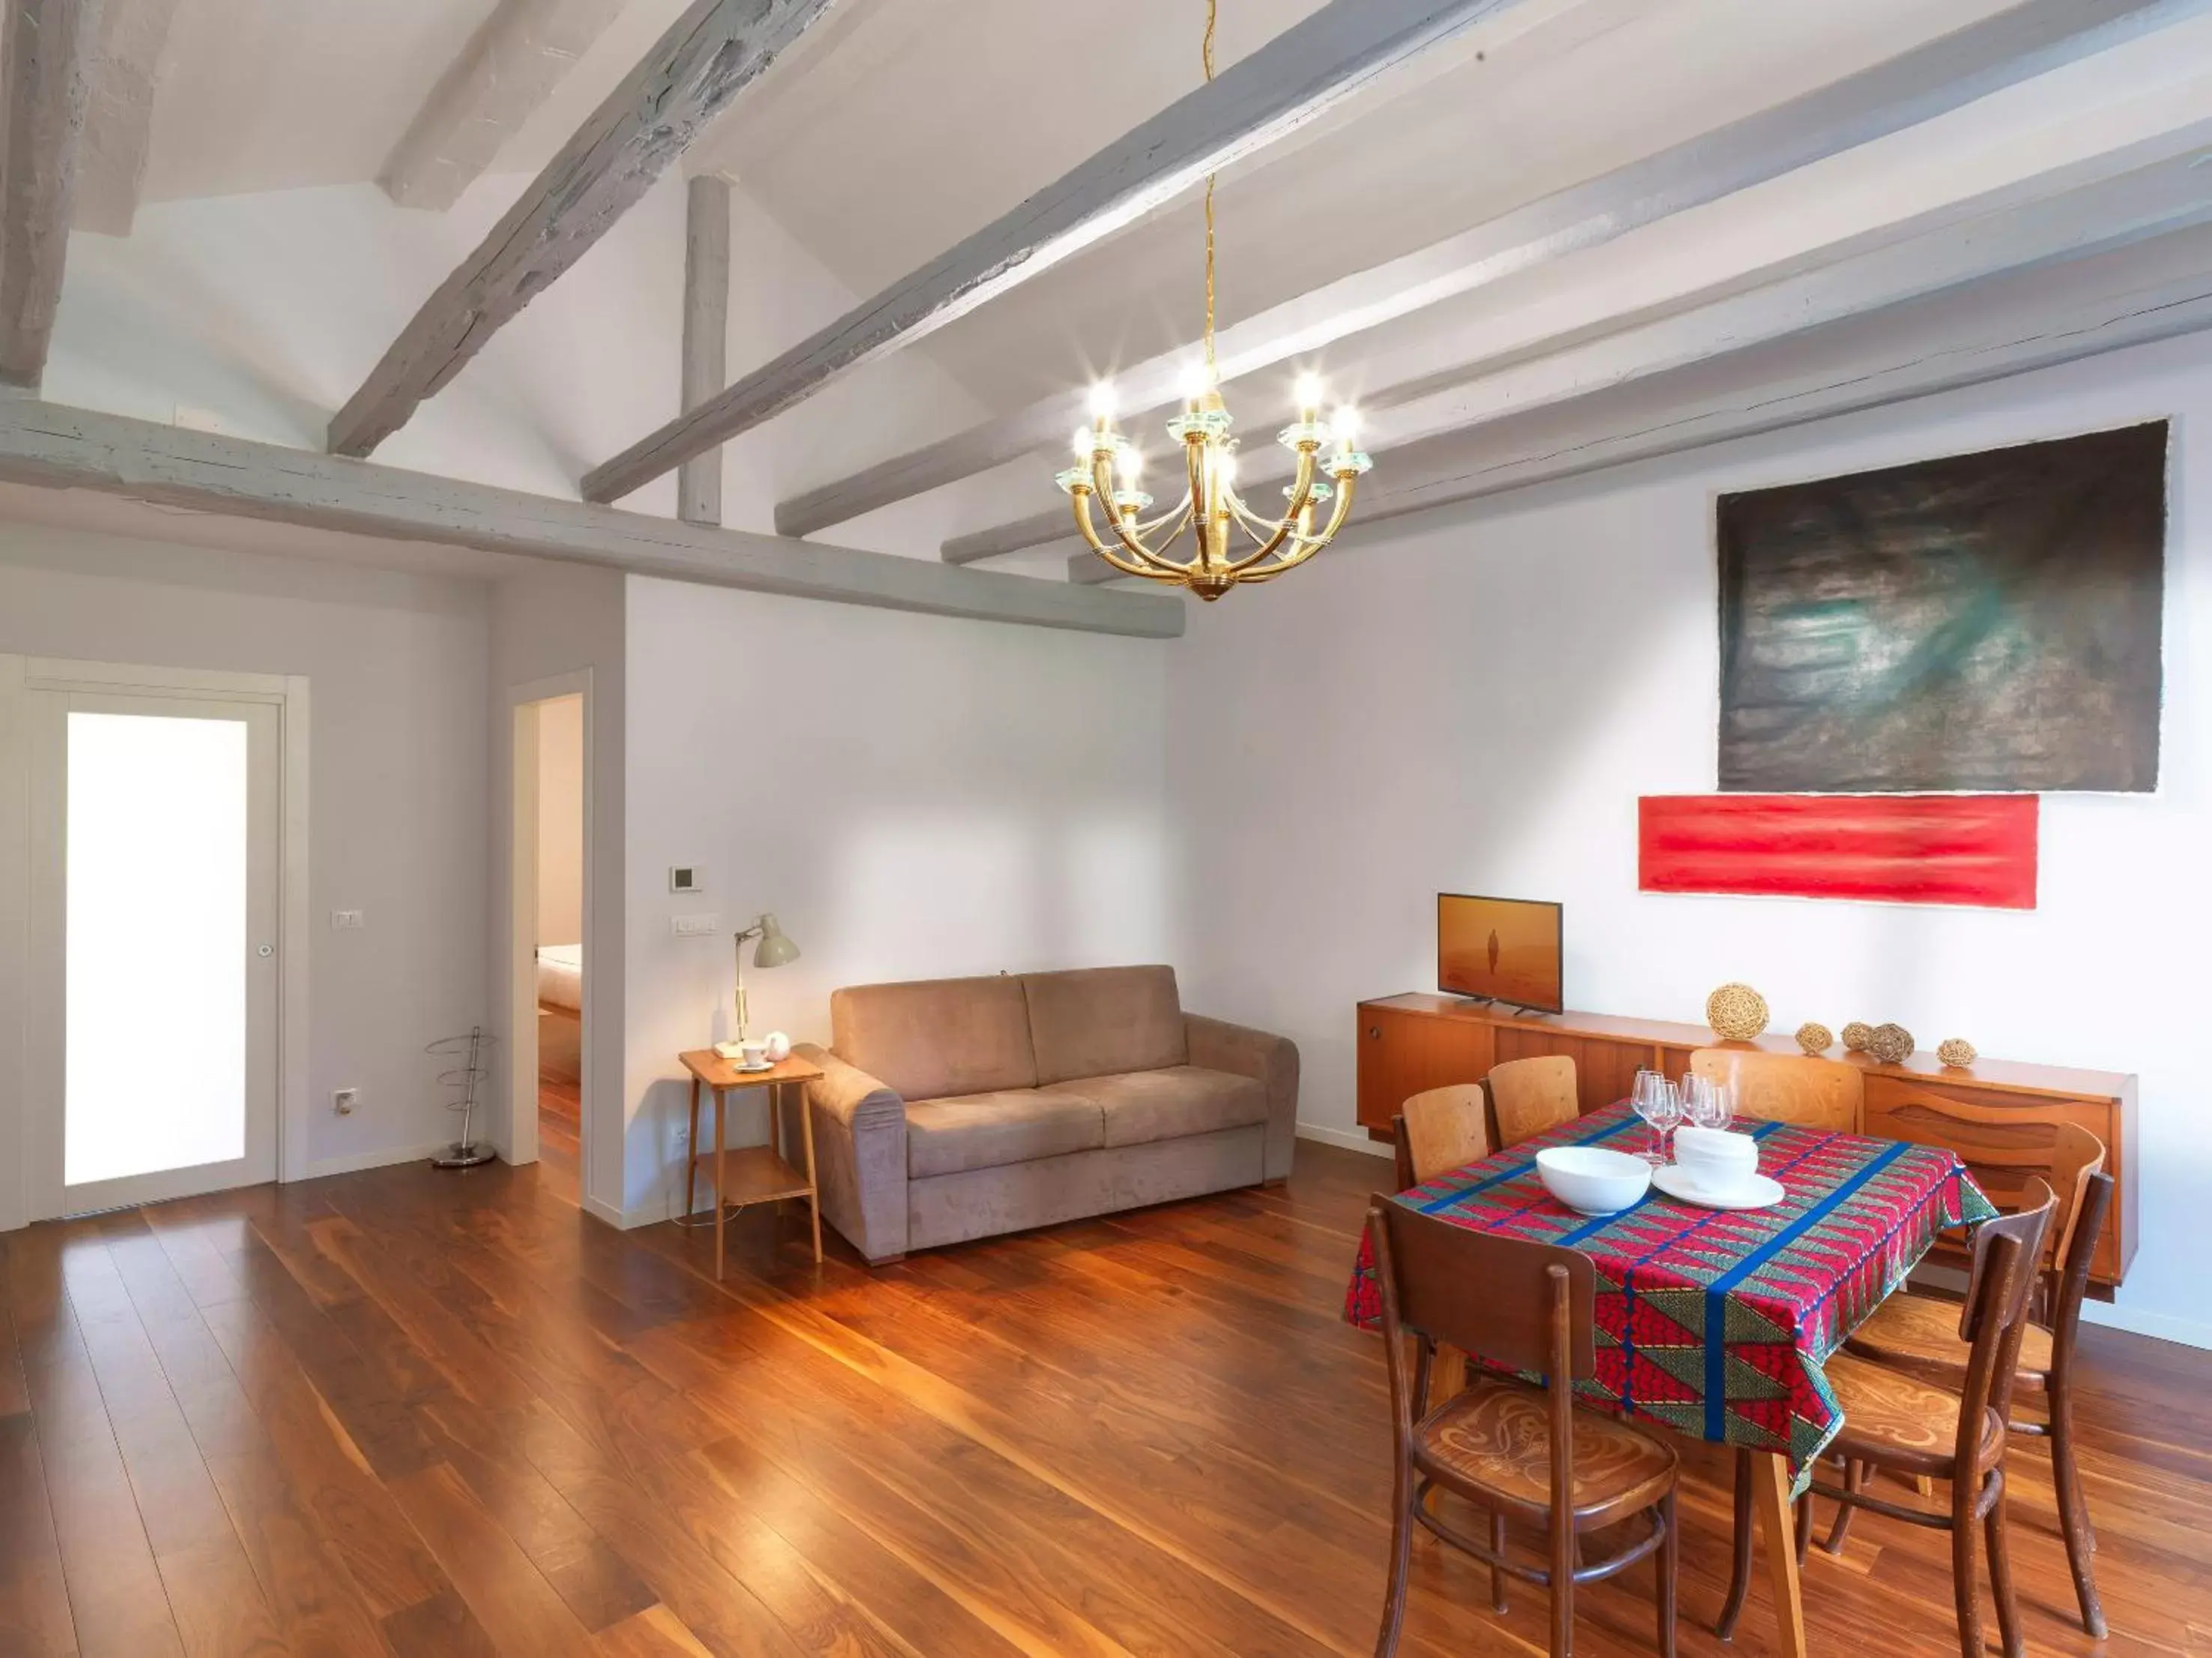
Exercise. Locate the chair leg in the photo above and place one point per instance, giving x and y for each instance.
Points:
(1855, 1478)
(1565, 1545)
(1965, 1576)
(1739, 1563)
(1394, 1592)
(1669, 1570)
(2001, 1578)
(1803, 1522)
(2074, 1507)
(1498, 1553)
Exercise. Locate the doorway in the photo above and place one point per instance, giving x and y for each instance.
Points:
(551, 994)
(162, 874)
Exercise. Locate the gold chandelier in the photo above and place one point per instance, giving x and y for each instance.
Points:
(1211, 509)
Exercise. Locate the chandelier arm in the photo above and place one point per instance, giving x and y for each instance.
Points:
(1282, 528)
(1147, 562)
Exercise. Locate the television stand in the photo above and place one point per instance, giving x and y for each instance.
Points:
(1513, 1008)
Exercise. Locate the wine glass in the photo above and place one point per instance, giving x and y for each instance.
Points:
(1659, 1103)
(1706, 1103)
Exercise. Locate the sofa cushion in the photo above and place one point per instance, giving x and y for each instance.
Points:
(1142, 1106)
(935, 1037)
(1103, 1021)
(989, 1131)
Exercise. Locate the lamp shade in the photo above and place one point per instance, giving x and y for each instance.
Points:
(775, 948)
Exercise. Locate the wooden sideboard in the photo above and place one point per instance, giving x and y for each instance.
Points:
(1998, 1116)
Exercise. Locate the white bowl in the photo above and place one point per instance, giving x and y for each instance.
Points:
(1715, 1154)
(1591, 1180)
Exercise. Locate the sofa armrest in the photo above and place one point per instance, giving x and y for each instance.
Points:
(1272, 1060)
(860, 1155)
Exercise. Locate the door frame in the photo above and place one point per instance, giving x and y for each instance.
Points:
(289, 695)
(523, 701)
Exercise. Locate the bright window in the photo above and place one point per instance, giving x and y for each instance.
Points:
(155, 1038)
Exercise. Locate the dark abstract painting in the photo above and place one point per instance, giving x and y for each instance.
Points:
(1986, 622)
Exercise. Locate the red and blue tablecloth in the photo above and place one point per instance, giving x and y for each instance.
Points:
(1717, 1324)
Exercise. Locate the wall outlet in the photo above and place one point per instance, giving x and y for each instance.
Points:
(347, 920)
(343, 1100)
(695, 926)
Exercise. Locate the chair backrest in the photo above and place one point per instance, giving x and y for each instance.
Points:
(1999, 1287)
(1786, 1087)
(1402, 1152)
(1487, 1296)
(1531, 1095)
(2075, 1155)
(2065, 1308)
(1444, 1129)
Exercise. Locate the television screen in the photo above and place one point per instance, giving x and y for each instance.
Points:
(1503, 949)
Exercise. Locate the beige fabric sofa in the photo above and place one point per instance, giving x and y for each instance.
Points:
(956, 1108)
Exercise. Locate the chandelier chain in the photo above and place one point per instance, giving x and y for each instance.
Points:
(1206, 58)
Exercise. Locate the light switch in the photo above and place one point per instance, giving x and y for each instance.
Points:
(695, 926)
(347, 920)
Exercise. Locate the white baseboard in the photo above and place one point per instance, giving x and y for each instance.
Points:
(1352, 1139)
(2189, 1333)
(354, 1163)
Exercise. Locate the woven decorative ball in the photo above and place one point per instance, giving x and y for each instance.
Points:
(1955, 1051)
(1891, 1044)
(1857, 1035)
(1814, 1038)
(1737, 1013)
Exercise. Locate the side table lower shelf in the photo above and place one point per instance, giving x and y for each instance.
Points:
(750, 1174)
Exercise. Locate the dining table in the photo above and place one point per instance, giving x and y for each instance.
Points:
(1716, 1323)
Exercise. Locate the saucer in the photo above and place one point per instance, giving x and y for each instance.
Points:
(1751, 1190)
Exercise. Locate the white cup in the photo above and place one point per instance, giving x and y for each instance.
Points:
(752, 1052)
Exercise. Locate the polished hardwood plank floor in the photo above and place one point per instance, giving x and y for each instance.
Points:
(422, 1413)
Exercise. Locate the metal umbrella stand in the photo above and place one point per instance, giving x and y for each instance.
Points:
(468, 1151)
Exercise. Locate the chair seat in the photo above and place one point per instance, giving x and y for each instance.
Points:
(1495, 1438)
(1895, 1419)
(1922, 1333)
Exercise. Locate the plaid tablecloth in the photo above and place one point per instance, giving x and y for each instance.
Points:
(1716, 1324)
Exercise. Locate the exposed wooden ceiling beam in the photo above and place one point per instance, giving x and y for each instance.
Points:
(523, 51)
(119, 122)
(1038, 529)
(712, 53)
(1946, 74)
(2012, 324)
(45, 54)
(1291, 80)
(59, 447)
(706, 335)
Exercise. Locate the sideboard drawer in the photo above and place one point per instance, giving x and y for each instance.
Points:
(2005, 1139)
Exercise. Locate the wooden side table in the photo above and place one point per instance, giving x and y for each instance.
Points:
(751, 1175)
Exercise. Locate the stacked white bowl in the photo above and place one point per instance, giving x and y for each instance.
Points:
(1717, 1159)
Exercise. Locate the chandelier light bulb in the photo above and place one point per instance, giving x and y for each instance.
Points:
(1196, 382)
(1131, 463)
(1103, 402)
(1081, 444)
(1309, 393)
(1344, 424)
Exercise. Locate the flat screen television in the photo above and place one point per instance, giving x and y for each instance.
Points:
(1499, 950)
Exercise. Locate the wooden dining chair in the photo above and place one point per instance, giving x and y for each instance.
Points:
(1439, 1131)
(1895, 1421)
(1522, 1452)
(1786, 1087)
(1920, 1334)
(1531, 1095)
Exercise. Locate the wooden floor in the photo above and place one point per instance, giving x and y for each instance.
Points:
(417, 1413)
(560, 1118)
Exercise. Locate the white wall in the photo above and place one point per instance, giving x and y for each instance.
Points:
(914, 796)
(1474, 701)
(561, 820)
(397, 806)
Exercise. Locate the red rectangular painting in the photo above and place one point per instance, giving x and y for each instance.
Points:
(1976, 850)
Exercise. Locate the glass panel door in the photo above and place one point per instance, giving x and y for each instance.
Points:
(156, 928)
